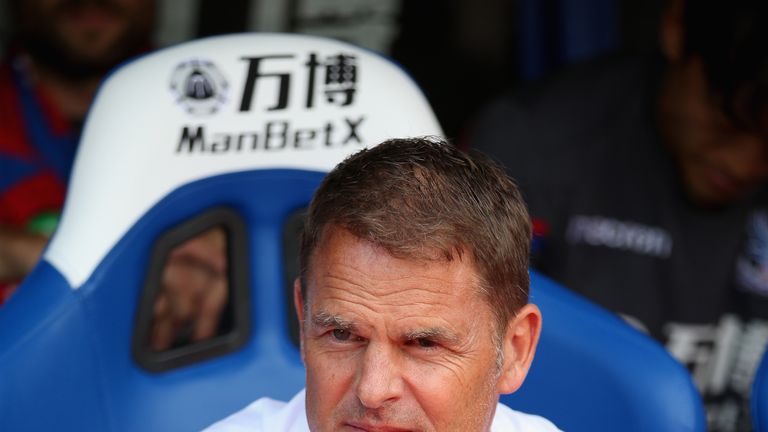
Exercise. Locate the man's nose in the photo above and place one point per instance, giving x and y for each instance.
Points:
(379, 378)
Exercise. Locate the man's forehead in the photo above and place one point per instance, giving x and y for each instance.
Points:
(413, 251)
(345, 262)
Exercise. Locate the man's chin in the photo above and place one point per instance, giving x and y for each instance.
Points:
(80, 69)
(708, 198)
(78, 60)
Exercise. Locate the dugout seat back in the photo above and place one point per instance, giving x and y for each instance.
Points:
(234, 130)
(593, 372)
(551, 34)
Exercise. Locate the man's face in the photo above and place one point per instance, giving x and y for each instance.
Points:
(82, 35)
(392, 344)
(719, 161)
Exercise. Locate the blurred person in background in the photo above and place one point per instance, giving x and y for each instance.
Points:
(59, 52)
(646, 180)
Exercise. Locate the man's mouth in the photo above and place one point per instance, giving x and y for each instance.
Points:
(92, 18)
(724, 184)
(367, 427)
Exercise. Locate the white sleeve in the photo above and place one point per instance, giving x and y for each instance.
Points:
(266, 415)
(508, 420)
(250, 418)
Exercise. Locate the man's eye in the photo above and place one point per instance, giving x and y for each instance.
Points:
(425, 343)
(342, 335)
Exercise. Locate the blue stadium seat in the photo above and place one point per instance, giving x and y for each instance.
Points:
(759, 405)
(552, 33)
(247, 125)
(593, 372)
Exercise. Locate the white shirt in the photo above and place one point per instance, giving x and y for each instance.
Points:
(269, 415)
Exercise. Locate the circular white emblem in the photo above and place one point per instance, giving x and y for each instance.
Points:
(199, 87)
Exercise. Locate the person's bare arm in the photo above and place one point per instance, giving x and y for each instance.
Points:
(194, 292)
(19, 252)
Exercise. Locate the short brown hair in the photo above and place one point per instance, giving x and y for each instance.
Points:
(422, 198)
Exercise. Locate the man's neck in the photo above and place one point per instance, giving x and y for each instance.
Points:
(71, 97)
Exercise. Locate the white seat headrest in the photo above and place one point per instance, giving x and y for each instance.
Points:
(221, 105)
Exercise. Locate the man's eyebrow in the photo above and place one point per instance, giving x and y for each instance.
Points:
(440, 334)
(325, 319)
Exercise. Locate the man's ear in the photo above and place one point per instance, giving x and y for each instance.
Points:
(672, 31)
(519, 347)
(298, 302)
